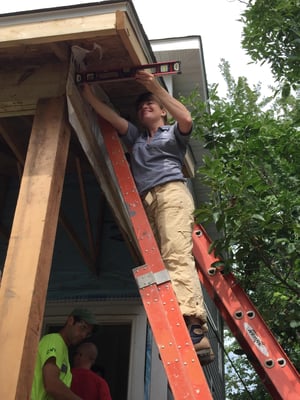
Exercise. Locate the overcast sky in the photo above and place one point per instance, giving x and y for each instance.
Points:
(216, 21)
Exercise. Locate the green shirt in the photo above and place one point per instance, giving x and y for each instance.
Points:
(51, 345)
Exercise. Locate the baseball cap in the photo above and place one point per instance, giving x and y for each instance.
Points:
(85, 315)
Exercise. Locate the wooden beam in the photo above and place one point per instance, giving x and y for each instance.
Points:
(62, 29)
(129, 39)
(30, 250)
(99, 232)
(61, 50)
(85, 208)
(86, 126)
(68, 227)
(4, 232)
(11, 143)
(21, 88)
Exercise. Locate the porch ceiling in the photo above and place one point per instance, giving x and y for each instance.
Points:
(35, 54)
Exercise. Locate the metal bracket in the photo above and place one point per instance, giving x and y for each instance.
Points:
(150, 278)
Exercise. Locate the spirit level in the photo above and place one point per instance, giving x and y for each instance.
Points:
(157, 69)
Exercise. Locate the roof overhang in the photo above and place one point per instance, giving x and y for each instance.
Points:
(39, 42)
(36, 62)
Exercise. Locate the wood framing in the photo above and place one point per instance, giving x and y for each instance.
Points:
(22, 86)
(93, 146)
(129, 38)
(29, 255)
(48, 31)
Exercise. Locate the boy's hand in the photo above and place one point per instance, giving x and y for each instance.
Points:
(87, 92)
(146, 79)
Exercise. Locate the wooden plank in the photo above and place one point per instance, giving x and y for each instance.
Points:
(86, 213)
(48, 31)
(30, 249)
(86, 256)
(85, 124)
(61, 50)
(4, 231)
(21, 88)
(129, 38)
(15, 148)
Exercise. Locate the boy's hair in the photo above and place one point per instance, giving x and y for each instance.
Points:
(144, 97)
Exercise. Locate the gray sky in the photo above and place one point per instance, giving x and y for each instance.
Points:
(216, 21)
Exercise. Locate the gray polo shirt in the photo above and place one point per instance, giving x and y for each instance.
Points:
(156, 160)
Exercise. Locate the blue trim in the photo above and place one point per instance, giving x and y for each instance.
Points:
(148, 363)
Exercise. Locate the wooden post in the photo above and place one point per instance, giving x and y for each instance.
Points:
(29, 256)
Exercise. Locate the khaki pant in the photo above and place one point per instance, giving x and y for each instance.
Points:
(170, 208)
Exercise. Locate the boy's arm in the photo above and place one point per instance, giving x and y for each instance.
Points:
(178, 111)
(118, 122)
(53, 385)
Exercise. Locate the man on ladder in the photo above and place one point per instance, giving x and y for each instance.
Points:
(156, 160)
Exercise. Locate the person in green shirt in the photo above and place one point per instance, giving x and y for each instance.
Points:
(52, 374)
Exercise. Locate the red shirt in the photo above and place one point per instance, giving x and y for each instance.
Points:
(89, 386)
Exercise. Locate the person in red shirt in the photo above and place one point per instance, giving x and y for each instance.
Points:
(86, 383)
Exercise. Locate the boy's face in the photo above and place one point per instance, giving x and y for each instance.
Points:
(78, 331)
(150, 111)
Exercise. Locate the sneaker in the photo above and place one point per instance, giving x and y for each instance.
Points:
(201, 344)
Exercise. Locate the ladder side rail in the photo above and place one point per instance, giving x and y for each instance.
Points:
(185, 375)
(252, 313)
(225, 299)
(264, 352)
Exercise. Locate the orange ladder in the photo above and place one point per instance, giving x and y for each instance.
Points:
(271, 363)
(185, 375)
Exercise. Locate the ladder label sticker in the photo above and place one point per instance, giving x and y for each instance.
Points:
(256, 339)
